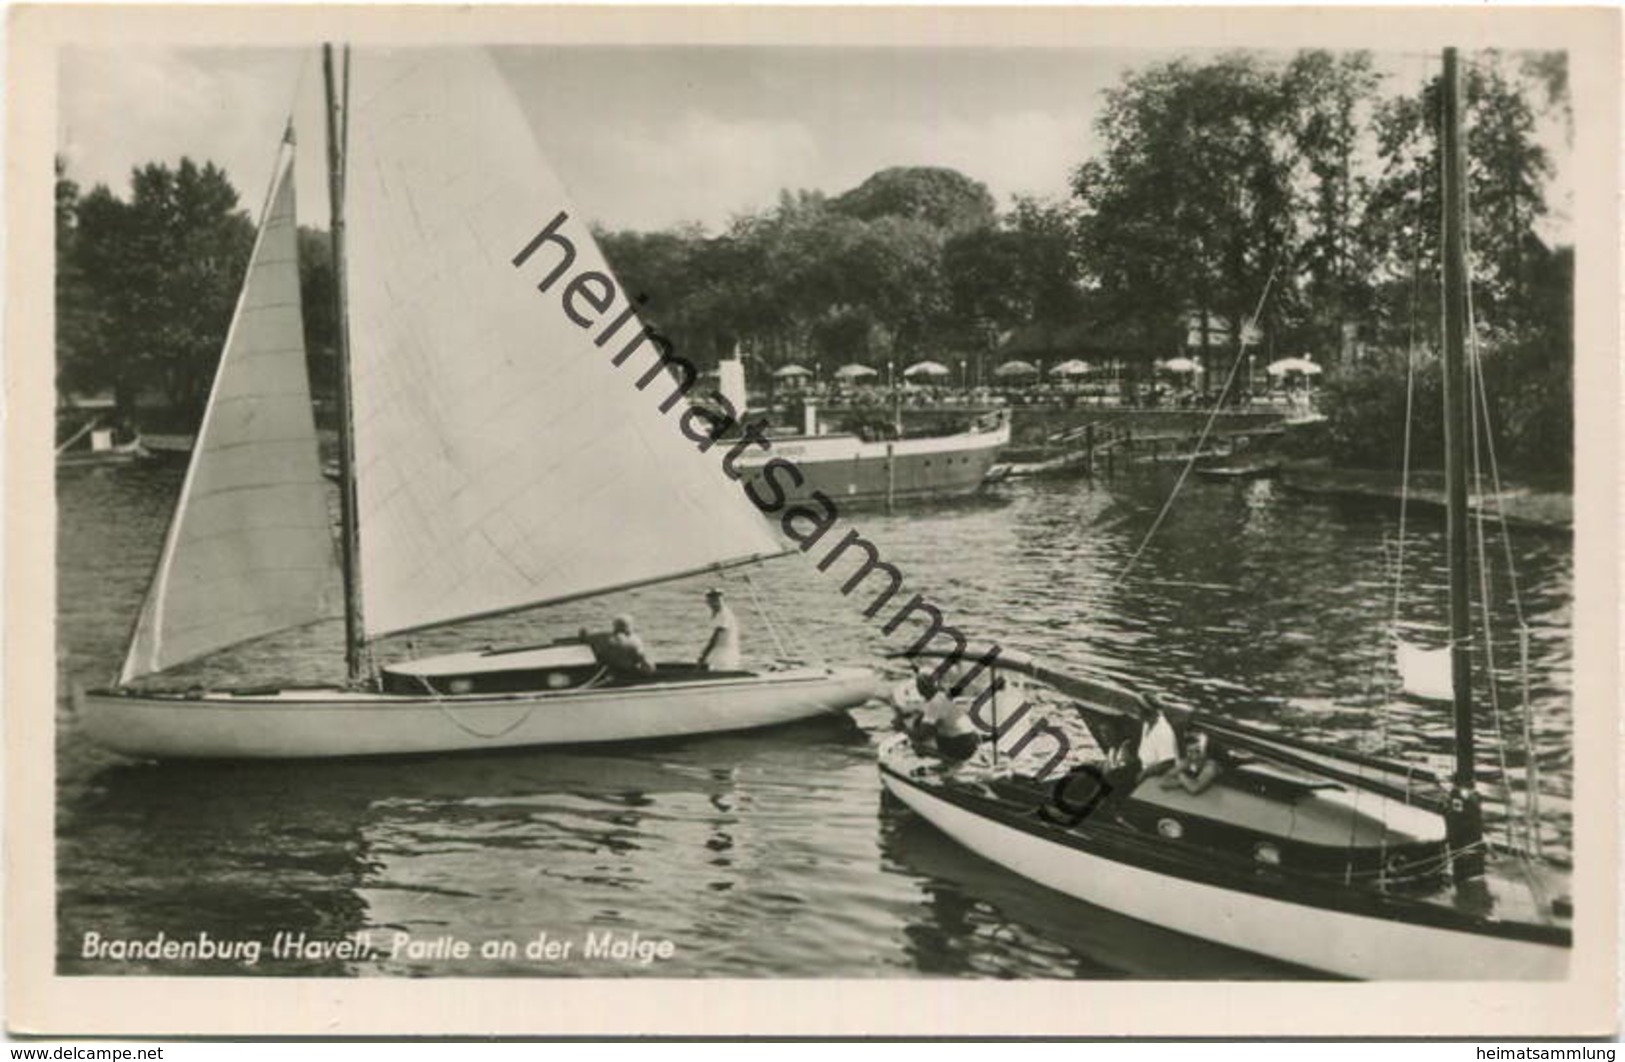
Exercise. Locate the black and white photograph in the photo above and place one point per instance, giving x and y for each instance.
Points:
(1115, 511)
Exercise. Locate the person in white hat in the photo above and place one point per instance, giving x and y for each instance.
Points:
(722, 651)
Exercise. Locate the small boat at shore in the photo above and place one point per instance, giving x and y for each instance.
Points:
(1240, 470)
(1341, 862)
(93, 446)
(492, 460)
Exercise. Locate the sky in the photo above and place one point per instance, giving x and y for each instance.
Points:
(644, 138)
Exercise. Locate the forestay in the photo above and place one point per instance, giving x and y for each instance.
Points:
(502, 459)
(250, 548)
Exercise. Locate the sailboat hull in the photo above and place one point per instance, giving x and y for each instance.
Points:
(1337, 941)
(326, 723)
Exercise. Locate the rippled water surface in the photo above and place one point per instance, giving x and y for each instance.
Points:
(768, 853)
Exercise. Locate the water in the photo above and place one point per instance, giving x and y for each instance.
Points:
(770, 853)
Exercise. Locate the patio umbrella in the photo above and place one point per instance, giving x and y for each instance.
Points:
(1180, 365)
(926, 368)
(1016, 368)
(1286, 365)
(1075, 367)
(788, 371)
(852, 372)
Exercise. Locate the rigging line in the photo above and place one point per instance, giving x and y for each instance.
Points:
(1531, 765)
(299, 83)
(805, 648)
(767, 616)
(1531, 769)
(1392, 640)
(1410, 406)
(439, 703)
(1531, 762)
(1479, 426)
(1207, 428)
(1482, 395)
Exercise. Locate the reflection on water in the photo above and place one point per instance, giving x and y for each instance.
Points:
(769, 853)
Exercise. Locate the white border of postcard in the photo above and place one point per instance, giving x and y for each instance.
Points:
(40, 1001)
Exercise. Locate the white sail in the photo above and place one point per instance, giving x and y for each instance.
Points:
(250, 548)
(503, 460)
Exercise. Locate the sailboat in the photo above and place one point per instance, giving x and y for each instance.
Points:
(493, 459)
(1331, 860)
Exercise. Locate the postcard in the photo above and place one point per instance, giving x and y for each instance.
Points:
(848, 521)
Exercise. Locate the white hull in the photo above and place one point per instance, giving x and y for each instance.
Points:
(1337, 942)
(310, 723)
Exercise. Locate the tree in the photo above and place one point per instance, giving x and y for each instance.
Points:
(1189, 205)
(860, 276)
(1026, 271)
(1506, 177)
(162, 273)
(1522, 289)
(944, 199)
(319, 303)
(78, 324)
(1331, 98)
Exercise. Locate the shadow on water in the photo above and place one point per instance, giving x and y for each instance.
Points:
(243, 851)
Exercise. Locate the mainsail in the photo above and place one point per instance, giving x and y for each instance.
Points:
(502, 460)
(250, 548)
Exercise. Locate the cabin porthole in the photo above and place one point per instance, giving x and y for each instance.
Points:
(1170, 828)
(1267, 853)
(556, 680)
(461, 685)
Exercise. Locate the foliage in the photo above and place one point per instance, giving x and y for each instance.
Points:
(145, 287)
(80, 325)
(1330, 98)
(1311, 177)
(943, 199)
(319, 304)
(153, 283)
(860, 277)
(1527, 385)
(1365, 407)
(1188, 205)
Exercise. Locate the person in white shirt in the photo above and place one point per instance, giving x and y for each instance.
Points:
(722, 651)
(1196, 768)
(934, 720)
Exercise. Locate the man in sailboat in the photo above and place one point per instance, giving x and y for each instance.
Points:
(624, 650)
(721, 653)
(935, 722)
(1196, 769)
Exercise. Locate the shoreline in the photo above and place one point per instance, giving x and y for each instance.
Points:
(1518, 504)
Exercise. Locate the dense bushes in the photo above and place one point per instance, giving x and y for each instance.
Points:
(1530, 405)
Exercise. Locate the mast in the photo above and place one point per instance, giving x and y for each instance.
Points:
(1464, 820)
(338, 127)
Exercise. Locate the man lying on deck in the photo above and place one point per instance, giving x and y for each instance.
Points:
(1195, 769)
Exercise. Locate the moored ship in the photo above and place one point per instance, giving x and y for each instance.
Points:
(864, 466)
(846, 467)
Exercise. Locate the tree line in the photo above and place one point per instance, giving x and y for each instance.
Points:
(1302, 188)
(146, 285)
